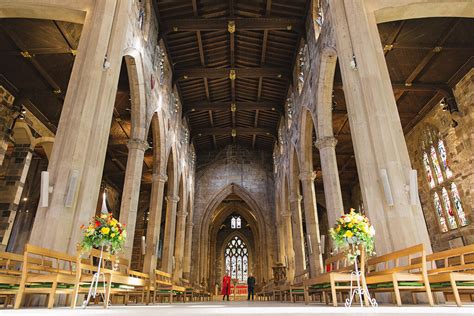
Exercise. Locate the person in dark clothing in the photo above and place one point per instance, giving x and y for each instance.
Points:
(251, 286)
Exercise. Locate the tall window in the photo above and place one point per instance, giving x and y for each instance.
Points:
(235, 222)
(237, 259)
(439, 177)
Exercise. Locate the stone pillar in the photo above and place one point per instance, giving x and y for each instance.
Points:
(131, 190)
(154, 222)
(179, 247)
(289, 261)
(187, 250)
(331, 183)
(298, 238)
(376, 130)
(312, 224)
(83, 131)
(170, 232)
(11, 189)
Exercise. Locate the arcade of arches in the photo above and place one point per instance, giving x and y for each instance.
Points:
(230, 135)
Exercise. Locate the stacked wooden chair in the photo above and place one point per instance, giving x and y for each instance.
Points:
(164, 288)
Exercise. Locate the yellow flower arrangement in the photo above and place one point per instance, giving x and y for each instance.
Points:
(104, 231)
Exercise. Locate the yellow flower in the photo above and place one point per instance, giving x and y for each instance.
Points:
(120, 237)
(338, 229)
(348, 234)
(112, 235)
(104, 216)
(105, 230)
(113, 222)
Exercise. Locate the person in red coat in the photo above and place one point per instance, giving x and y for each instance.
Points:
(226, 286)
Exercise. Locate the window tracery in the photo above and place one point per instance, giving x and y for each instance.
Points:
(236, 259)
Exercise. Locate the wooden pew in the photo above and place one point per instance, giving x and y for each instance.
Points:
(39, 277)
(396, 272)
(452, 271)
(293, 290)
(164, 288)
(119, 279)
(267, 291)
(10, 275)
(338, 278)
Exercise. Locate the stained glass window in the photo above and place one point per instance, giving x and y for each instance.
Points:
(449, 210)
(236, 259)
(429, 173)
(235, 222)
(436, 166)
(458, 205)
(439, 211)
(444, 159)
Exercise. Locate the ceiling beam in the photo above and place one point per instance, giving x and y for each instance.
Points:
(390, 44)
(228, 131)
(226, 106)
(408, 87)
(215, 73)
(424, 110)
(256, 24)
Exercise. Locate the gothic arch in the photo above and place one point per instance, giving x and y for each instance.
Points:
(306, 140)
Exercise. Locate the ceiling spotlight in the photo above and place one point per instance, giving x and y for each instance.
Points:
(454, 123)
(21, 116)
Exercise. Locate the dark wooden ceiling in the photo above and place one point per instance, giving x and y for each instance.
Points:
(425, 59)
(262, 52)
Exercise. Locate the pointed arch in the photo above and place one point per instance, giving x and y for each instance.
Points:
(327, 70)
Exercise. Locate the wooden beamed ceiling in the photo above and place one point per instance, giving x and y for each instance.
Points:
(232, 63)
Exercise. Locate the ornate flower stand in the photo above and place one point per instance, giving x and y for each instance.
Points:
(361, 289)
(95, 283)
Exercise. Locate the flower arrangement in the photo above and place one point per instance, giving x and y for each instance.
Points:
(104, 231)
(351, 231)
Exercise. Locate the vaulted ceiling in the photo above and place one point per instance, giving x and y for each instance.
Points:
(207, 40)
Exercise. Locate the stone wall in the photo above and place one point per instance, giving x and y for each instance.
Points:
(458, 141)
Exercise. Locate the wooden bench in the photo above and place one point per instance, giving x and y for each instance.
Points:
(163, 287)
(267, 291)
(46, 271)
(396, 272)
(10, 275)
(119, 279)
(337, 278)
(452, 271)
(291, 291)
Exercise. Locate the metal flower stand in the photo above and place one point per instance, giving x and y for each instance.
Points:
(95, 282)
(361, 290)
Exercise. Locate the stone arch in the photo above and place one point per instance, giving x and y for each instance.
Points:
(172, 171)
(306, 140)
(394, 10)
(158, 145)
(59, 10)
(134, 63)
(209, 213)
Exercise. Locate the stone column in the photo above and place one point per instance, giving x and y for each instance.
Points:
(11, 189)
(131, 190)
(289, 261)
(376, 130)
(331, 183)
(170, 232)
(187, 250)
(179, 247)
(154, 221)
(298, 238)
(312, 224)
(83, 131)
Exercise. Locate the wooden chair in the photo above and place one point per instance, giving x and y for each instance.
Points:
(452, 271)
(163, 287)
(396, 272)
(119, 279)
(338, 278)
(38, 276)
(292, 291)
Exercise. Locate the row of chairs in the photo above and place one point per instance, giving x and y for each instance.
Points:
(411, 270)
(51, 273)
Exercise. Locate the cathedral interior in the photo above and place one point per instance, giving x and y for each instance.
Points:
(229, 137)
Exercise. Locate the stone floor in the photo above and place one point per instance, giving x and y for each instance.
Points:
(244, 308)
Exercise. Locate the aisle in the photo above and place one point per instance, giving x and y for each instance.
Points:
(244, 308)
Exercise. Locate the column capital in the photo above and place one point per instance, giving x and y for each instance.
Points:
(182, 214)
(159, 177)
(172, 198)
(135, 143)
(324, 142)
(307, 176)
(296, 198)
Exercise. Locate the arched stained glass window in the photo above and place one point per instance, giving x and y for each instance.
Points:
(439, 211)
(436, 166)
(440, 179)
(429, 174)
(458, 205)
(236, 259)
(235, 222)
